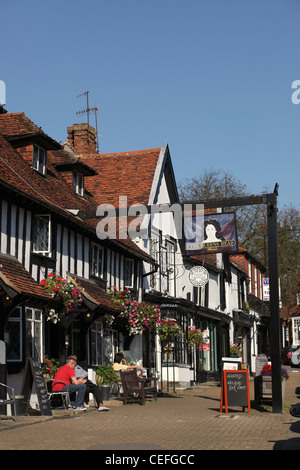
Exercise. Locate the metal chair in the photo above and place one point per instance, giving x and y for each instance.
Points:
(9, 401)
(65, 396)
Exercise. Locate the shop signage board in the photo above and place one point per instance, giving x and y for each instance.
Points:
(260, 361)
(231, 363)
(34, 375)
(235, 389)
(266, 289)
(212, 233)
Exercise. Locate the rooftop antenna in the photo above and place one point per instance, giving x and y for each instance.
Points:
(87, 111)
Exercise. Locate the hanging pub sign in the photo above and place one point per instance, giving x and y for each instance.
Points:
(198, 276)
(215, 234)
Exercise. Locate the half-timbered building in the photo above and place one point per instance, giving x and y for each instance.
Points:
(42, 190)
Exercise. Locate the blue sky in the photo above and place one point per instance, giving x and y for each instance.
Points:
(210, 77)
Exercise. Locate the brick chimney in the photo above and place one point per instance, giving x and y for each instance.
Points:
(82, 137)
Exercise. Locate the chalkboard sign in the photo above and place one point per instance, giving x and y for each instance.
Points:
(235, 389)
(34, 374)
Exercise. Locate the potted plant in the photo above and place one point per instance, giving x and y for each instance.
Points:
(49, 367)
(263, 387)
(105, 375)
(267, 372)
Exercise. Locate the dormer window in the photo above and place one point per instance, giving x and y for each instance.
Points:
(39, 159)
(78, 183)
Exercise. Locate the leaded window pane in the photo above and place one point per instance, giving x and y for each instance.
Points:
(41, 232)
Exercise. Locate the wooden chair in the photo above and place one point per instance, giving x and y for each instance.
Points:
(10, 400)
(135, 389)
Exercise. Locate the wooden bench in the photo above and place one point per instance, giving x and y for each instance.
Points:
(135, 389)
(9, 401)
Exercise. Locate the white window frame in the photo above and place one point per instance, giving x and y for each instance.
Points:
(250, 276)
(78, 183)
(39, 163)
(48, 250)
(130, 262)
(255, 281)
(296, 331)
(36, 318)
(97, 260)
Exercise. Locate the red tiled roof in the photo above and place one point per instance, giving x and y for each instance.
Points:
(63, 160)
(207, 259)
(122, 174)
(50, 189)
(13, 125)
(15, 276)
(96, 294)
(125, 243)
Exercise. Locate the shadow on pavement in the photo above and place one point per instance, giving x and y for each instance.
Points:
(292, 443)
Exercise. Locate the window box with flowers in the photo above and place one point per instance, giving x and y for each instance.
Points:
(263, 383)
(66, 296)
(140, 316)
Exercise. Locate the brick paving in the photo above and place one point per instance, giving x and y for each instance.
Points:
(186, 421)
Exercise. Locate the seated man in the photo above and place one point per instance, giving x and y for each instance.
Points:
(76, 387)
(90, 388)
(120, 364)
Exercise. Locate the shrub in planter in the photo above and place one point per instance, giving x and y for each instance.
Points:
(106, 374)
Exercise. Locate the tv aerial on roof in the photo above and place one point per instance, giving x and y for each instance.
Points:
(87, 111)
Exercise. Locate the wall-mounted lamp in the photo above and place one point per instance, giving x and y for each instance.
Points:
(89, 316)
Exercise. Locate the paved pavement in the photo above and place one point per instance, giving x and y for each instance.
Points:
(187, 421)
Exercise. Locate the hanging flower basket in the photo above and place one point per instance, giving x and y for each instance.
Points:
(108, 320)
(168, 328)
(66, 296)
(140, 316)
(195, 338)
(235, 350)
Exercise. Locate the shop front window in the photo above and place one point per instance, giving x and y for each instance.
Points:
(104, 344)
(34, 340)
(95, 343)
(176, 349)
(13, 335)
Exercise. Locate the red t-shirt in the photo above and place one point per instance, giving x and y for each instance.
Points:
(63, 374)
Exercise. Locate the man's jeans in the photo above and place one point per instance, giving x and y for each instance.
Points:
(77, 393)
